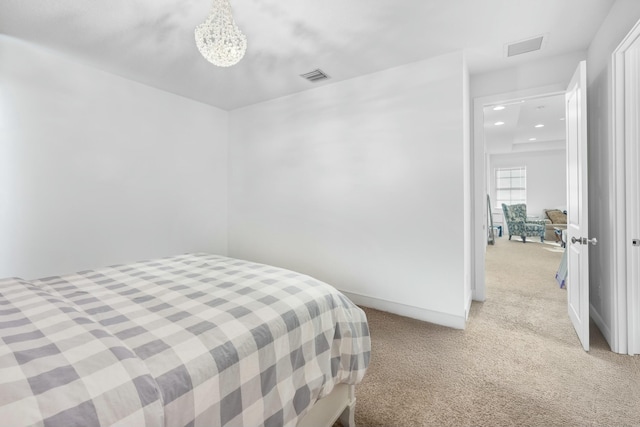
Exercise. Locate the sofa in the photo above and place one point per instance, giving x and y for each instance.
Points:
(554, 218)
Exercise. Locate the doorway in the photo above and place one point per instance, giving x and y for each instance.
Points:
(576, 198)
(524, 160)
(526, 163)
(525, 148)
(482, 166)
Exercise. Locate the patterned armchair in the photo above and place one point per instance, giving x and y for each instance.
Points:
(519, 225)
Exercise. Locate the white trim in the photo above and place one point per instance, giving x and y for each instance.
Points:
(631, 172)
(626, 301)
(437, 317)
(480, 177)
(631, 135)
(478, 204)
(618, 341)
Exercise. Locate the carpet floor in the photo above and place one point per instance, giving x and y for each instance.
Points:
(518, 362)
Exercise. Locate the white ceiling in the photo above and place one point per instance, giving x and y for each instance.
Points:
(520, 118)
(152, 41)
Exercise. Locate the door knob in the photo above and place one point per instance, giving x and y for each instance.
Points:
(584, 240)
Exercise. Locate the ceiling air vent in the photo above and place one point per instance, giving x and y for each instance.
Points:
(315, 75)
(525, 46)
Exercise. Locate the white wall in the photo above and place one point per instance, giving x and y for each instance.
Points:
(360, 184)
(530, 75)
(622, 17)
(546, 178)
(98, 170)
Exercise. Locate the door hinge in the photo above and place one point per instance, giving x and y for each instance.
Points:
(635, 242)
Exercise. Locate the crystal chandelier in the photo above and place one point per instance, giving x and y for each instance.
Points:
(218, 38)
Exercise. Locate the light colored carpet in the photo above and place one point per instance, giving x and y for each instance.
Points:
(518, 363)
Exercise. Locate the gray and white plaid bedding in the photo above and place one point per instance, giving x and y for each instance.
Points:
(197, 339)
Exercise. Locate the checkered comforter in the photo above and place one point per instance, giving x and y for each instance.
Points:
(198, 339)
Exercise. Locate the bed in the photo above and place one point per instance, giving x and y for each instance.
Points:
(190, 340)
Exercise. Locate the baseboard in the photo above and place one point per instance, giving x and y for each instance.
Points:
(439, 318)
(477, 296)
(467, 309)
(599, 321)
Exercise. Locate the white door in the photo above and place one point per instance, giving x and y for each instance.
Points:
(578, 216)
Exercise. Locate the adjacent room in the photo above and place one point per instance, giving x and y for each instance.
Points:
(525, 146)
(527, 162)
(261, 212)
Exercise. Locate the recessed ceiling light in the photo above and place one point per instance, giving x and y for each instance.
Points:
(532, 139)
(539, 125)
(498, 123)
(499, 107)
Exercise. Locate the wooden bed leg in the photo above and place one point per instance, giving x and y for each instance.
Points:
(348, 417)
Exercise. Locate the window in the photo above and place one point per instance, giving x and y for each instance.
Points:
(511, 185)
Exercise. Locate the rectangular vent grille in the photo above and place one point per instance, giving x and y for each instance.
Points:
(315, 75)
(524, 46)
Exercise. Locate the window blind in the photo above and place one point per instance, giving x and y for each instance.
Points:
(511, 185)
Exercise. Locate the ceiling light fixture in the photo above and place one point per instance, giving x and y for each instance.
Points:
(532, 139)
(218, 38)
(539, 125)
(498, 123)
(499, 107)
